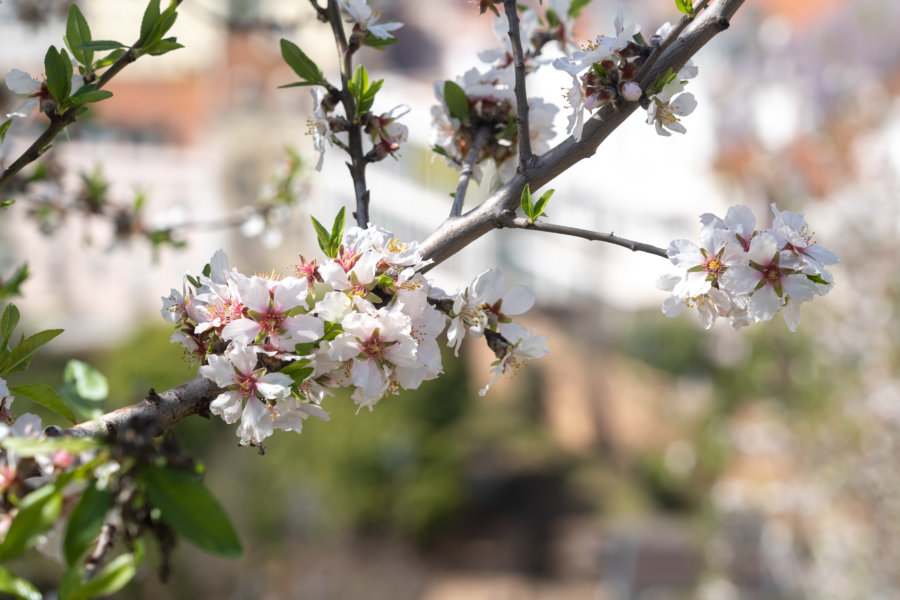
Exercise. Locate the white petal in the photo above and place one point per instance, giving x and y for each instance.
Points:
(20, 82)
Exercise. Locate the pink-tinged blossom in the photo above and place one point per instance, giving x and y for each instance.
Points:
(525, 346)
(771, 281)
(702, 265)
(372, 346)
(248, 392)
(794, 235)
(273, 316)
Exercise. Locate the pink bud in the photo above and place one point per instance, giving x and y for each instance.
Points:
(630, 91)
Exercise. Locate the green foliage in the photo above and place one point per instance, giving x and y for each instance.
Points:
(17, 587)
(10, 287)
(18, 357)
(685, 6)
(47, 397)
(37, 513)
(4, 127)
(576, 7)
(363, 90)
(457, 102)
(191, 510)
(532, 209)
(110, 579)
(373, 41)
(330, 243)
(154, 25)
(84, 388)
(78, 32)
(303, 66)
(85, 522)
(58, 69)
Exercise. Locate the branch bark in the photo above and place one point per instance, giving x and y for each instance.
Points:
(515, 39)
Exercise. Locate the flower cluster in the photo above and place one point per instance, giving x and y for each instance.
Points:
(491, 113)
(36, 92)
(364, 318)
(746, 274)
(603, 72)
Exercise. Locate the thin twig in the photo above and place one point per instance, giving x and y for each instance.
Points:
(468, 168)
(610, 238)
(358, 162)
(105, 542)
(524, 135)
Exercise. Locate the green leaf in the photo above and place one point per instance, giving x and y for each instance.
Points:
(457, 102)
(8, 323)
(27, 446)
(552, 18)
(47, 397)
(148, 22)
(576, 7)
(685, 6)
(110, 579)
(302, 65)
(89, 93)
(85, 522)
(100, 45)
(373, 41)
(110, 58)
(542, 203)
(89, 382)
(59, 78)
(527, 206)
(191, 510)
(11, 286)
(18, 587)
(358, 86)
(324, 239)
(77, 33)
(4, 128)
(299, 371)
(38, 511)
(337, 228)
(163, 46)
(21, 355)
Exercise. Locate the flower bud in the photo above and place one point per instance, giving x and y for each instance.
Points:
(630, 91)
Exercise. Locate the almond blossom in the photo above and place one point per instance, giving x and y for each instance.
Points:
(666, 108)
(366, 18)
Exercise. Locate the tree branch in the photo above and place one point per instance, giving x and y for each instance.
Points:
(524, 135)
(468, 168)
(513, 222)
(61, 121)
(163, 409)
(455, 234)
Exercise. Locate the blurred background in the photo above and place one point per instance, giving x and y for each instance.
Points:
(643, 458)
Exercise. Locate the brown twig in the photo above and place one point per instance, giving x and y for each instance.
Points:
(468, 167)
(524, 135)
(510, 221)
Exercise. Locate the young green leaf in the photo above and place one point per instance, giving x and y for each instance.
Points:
(191, 510)
(373, 41)
(100, 45)
(10, 287)
(4, 128)
(21, 355)
(77, 33)
(576, 7)
(302, 65)
(8, 323)
(685, 6)
(27, 446)
(47, 397)
(148, 22)
(163, 46)
(324, 238)
(59, 73)
(18, 587)
(37, 513)
(89, 93)
(457, 102)
(337, 229)
(527, 206)
(542, 203)
(89, 382)
(85, 522)
(110, 579)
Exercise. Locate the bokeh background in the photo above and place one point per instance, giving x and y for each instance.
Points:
(643, 458)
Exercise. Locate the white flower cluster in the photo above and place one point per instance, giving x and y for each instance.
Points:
(602, 72)
(744, 274)
(492, 106)
(365, 319)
